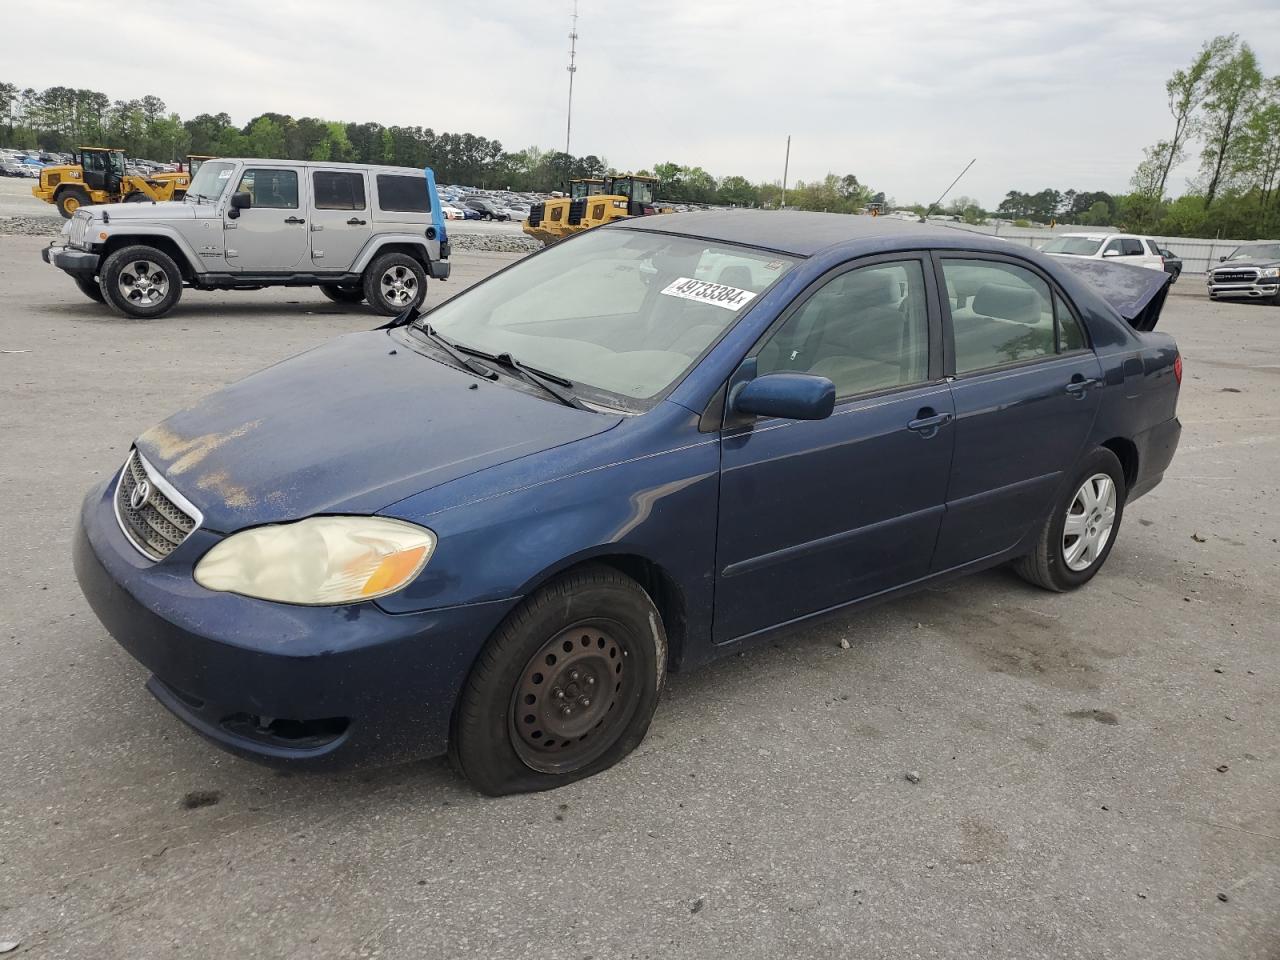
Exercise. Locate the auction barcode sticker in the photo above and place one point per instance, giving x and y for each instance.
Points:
(704, 291)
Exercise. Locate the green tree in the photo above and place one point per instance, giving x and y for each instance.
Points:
(1233, 90)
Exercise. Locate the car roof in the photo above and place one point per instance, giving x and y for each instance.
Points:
(802, 233)
(318, 164)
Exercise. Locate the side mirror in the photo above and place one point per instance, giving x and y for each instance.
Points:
(1222, 259)
(239, 201)
(792, 396)
(1111, 253)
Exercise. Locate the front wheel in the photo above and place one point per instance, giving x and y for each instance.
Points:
(140, 281)
(394, 282)
(91, 289)
(1076, 538)
(565, 688)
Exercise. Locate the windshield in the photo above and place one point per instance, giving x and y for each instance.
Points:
(211, 180)
(621, 311)
(1072, 246)
(1257, 251)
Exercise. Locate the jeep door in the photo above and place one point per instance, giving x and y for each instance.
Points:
(340, 221)
(271, 235)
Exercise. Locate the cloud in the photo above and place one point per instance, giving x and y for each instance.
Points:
(902, 94)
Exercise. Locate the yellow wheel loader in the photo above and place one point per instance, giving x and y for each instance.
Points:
(99, 176)
(592, 203)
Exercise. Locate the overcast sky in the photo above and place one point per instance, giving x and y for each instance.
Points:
(903, 94)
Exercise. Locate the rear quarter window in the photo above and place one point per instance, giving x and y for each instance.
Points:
(402, 193)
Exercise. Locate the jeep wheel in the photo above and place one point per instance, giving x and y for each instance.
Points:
(71, 200)
(342, 294)
(394, 282)
(141, 282)
(90, 289)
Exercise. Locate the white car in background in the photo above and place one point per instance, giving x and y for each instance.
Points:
(451, 212)
(1119, 247)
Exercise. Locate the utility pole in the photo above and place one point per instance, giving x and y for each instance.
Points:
(786, 164)
(572, 68)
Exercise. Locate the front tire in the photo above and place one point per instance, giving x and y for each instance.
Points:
(565, 688)
(91, 289)
(1076, 538)
(342, 294)
(141, 282)
(71, 200)
(394, 282)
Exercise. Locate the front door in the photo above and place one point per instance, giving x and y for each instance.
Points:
(270, 236)
(815, 514)
(340, 221)
(1026, 393)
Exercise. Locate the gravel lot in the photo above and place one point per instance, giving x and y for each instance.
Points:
(1099, 772)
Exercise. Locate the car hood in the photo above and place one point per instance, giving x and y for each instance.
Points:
(147, 210)
(349, 427)
(1246, 264)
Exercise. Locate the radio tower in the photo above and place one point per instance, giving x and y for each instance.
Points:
(572, 68)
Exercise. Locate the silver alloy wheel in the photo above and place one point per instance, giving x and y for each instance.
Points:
(1090, 517)
(143, 282)
(399, 286)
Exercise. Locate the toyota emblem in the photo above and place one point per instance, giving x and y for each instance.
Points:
(140, 495)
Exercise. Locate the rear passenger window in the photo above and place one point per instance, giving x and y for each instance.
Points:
(1131, 248)
(1000, 314)
(403, 193)
(1070, 336)
(274, 189)
(338, 191)
(865, 330)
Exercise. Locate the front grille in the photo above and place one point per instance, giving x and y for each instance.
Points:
(535, 214)
(79, 228)
(157, 525)
(1235, 276)
(577, 210)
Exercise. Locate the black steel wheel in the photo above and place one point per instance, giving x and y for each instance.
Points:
(565, 687)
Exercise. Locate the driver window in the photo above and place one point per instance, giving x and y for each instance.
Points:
(1113, 247)
(275, 189)
(865, 330)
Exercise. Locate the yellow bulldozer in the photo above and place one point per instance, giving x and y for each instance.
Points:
(591, 203)
(99, 176)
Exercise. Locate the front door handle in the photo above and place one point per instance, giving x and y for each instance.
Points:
(294, 220)
(354, 222)
(1079, 387)
(927, 423)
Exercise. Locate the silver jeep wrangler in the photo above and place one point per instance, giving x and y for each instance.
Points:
(358, 232)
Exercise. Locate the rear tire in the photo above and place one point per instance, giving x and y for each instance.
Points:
(565, 688)
(394, 282)
(1066, 558)
(71, 200)
(141, 282)
(90, 289)
(342, 294)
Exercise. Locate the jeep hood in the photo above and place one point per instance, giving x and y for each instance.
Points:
(349, 427)
(146, 210)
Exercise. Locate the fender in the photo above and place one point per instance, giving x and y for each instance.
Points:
(142, 231)
(430, 248)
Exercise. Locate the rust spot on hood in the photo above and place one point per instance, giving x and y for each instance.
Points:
(232, 494)
(187, 452)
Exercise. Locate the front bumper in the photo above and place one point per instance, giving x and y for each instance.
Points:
(278, 682)
(1256, 291)
(78, 263)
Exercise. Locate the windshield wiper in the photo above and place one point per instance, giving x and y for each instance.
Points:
(458, 356)
(549, 382)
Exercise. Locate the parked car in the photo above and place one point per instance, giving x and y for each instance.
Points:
(451, 212)
(471, 213)
(1123, 247)
(488, 209)
(496, 526)
(372, 236)
(1250, 271)
(1172, 264)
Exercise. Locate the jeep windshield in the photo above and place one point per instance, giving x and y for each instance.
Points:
(619, 315)
(1257, 251)
(209, 182)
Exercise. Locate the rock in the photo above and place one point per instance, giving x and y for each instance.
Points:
(1223, 768)
(1199, 539)
(1223, 897)
(8, 946)
(494, 243)
(31, 226)
(697, 905)
(912, 776)
(844, 644)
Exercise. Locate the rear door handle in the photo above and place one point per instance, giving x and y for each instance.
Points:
(294, 220)
(354, 222)
(927, 423)
(1078, 388)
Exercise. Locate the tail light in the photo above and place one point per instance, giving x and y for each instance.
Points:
(1177, 368)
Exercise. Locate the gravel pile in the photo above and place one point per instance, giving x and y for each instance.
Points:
(494, 243)
(31, 226)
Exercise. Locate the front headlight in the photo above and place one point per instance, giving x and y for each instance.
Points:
(1269, 272)
(322, 560)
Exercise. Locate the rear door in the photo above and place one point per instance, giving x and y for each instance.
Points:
(1026, 389)
(271, 235)
(340, 220)
(815, 514)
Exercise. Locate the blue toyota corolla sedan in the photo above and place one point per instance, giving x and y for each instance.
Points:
(493, 528)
